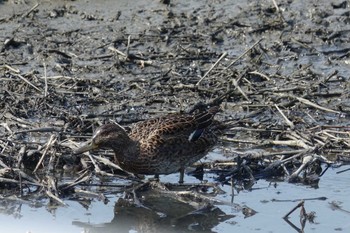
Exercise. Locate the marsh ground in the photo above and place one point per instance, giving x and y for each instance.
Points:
(68, 66)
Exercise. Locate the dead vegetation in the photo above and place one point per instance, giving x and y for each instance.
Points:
(288, 118)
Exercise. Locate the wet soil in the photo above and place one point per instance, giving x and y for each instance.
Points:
(279, 68)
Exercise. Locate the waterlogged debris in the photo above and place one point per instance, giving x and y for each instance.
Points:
(335, 205)
(248, 212)
(304, 216)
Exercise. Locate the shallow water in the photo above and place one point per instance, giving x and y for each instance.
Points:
(270, 201)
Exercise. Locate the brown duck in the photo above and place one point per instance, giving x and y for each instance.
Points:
(160, 145)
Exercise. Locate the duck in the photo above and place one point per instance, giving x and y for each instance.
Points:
(161, 145)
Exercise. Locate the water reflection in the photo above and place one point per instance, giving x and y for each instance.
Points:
(159, 212)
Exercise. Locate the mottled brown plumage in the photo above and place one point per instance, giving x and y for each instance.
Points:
(160, 145)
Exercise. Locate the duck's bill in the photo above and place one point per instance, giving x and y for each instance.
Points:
(85, 148)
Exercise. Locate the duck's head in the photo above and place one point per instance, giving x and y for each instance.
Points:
(106, 136)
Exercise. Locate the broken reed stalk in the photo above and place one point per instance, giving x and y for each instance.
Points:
(232, 190)
(13, 181)
(45, 78)
(306, 161)
(212, 67)
(289, 123)
(243, 54)
(30, 10)
(51, 141)
(84, 177)
(307, 102)
(235, 83)
(27, 81)
(56, 198)
(300, 204)
(231, 64)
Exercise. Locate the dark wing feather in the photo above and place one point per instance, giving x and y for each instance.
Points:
(190, 127)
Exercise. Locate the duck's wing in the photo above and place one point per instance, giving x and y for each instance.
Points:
(185, 126)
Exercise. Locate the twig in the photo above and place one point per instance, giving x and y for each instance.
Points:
(212, 67)
(7, 180)
(45, 78)
(296, 143)
(52, 140)
(45, 129)
(128, 46)
(12, 68)
(276, 6)
(306, 161)
(117, 51)
(308, 102)
(235, 83)
(30, 11)
(282, 162)
(291, 125)
(85, 193)
(232, 190)
(330, 76)
(97, 168)
(336, 206)
(57, 199)
(247, 51)
(27, 177)
(62, 77)
(109, 163)
(260, 74)
(345, 170)
(300, 204)
(27, 81)
(81, 179)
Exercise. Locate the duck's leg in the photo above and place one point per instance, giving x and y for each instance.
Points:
(182, 172)
(156, 177)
